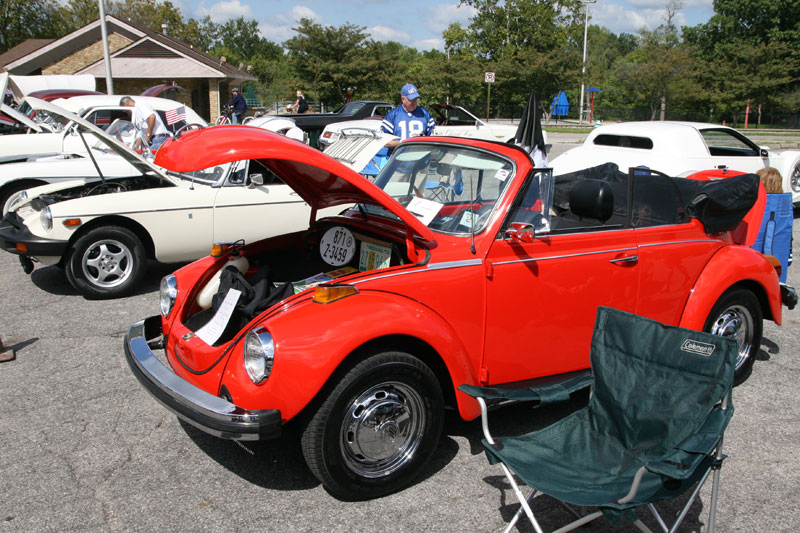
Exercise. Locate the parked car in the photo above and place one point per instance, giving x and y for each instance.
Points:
(451, 120)
(60, 137)
(678, 149)
(103, 245)
(460, 264)
(65, 154)
(314, 123)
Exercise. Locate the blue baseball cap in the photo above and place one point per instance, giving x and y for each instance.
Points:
(409, 91)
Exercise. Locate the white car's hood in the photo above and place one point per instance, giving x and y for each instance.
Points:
(10, 111)
(120, 148)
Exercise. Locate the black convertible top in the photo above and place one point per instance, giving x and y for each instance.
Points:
(719, 204)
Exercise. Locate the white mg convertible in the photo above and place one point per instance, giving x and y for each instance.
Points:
(103, 241)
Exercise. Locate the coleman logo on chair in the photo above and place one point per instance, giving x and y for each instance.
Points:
(700, 348)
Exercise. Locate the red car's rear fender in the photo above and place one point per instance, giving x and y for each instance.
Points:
(315, 341)
(724, 270)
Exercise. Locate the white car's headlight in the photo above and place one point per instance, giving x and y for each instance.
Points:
(46, 217)
(18, 197)
(168, 294)
(259, 352)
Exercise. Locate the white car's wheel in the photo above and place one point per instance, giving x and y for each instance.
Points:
(794, 179)
(106, 263)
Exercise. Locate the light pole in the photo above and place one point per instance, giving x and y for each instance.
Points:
(583, 68)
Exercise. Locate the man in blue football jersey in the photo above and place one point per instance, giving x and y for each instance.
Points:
(408, 119)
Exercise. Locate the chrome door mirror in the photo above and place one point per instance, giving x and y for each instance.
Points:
(521, 232)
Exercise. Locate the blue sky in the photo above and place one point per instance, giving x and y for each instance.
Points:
(419, 23)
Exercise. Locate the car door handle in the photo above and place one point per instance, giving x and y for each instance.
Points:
(627, 259)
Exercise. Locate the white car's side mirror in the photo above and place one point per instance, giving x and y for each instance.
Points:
(256, 180)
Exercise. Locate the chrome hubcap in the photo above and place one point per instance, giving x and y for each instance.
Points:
(795, 179)
(382, 429)
(736, 323)
(107, 263)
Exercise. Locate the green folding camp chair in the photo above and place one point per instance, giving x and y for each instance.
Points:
(653, 428)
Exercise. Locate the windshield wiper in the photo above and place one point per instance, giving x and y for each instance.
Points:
(362, 211)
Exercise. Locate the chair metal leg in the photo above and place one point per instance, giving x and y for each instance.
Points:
(712, 513)
(521, 510)
(523, 501)
(686, 507)
(639, 524)
(658, 518)
(578, 523)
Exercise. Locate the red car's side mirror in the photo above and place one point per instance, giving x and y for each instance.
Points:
(521, 232)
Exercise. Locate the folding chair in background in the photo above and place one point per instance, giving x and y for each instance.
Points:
(653, 428)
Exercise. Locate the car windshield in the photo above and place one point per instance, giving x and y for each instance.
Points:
(350, 108)
(451, 189)
(125, 132)
(452, 116)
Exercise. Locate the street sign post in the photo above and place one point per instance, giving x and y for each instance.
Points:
(489, 79)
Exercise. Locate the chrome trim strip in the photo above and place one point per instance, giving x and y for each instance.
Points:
(546, 258)
(431, 266)
(193, 208)
(688, 241)
(455, 264)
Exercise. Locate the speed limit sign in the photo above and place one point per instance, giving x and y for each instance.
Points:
(489, 77)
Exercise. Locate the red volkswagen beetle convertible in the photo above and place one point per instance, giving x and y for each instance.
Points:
(462, 263)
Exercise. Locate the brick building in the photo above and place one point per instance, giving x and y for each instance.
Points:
(140, 58)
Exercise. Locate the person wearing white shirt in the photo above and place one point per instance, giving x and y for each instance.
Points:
(148, 124)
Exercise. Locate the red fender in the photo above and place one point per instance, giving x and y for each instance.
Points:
(309, 348)
(724, 271)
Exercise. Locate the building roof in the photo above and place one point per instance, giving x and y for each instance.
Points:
(150, 54)
(21, 50)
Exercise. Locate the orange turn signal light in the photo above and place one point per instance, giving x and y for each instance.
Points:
(22, 247)
(72, 222)
(775, 262)
(325, 294)
(220, 249)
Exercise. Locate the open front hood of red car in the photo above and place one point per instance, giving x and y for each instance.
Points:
(319, 179)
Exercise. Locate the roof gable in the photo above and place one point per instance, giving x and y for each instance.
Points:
(172, 57)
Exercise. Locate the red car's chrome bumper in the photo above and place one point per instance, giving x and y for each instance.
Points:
(210, 413)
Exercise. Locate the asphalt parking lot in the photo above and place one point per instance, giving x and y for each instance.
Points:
(84, 448)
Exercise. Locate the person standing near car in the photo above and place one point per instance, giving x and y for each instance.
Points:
(238, 105)
(408, 119)
(149, 127)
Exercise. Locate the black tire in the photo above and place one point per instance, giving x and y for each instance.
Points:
(376, 427)
(737, 315)
(106, 263)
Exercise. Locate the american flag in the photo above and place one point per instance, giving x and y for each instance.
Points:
(175, 115)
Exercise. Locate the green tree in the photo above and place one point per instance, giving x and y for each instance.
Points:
(749, 51)
(78, 13)
(28, 19)
(330, 59)
(504, 28)
(150, 13)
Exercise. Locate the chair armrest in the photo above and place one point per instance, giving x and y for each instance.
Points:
(544, 394)
(549, 392)
(682, 460)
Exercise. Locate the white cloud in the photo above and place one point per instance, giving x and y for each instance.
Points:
(299, 12)
(279, 27)
(277, 33)
(429, 44)
(442, 15)
(387, 33)
(224, 11)
(619, 19)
